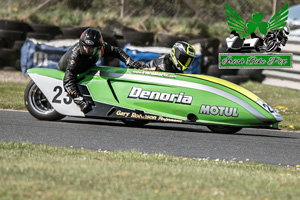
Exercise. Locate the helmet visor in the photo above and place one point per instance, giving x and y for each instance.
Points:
(185, 61)
(90, 50)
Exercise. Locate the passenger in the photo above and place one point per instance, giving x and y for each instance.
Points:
(180, 58)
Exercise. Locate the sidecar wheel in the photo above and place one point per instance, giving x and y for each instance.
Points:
(223, 129)
(38, 105)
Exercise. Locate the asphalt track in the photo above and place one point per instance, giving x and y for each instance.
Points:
(264, 146)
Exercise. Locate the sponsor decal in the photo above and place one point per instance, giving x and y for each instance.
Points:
(89, 42)
(123, 114)
(142, 116)
(154, 73)
(219, 110)
(145, 116)
(166, 119)
(153, 117)
(135, 115)
(158, 96)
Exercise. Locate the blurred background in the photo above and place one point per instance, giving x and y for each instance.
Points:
(192, 18)
(138, 22)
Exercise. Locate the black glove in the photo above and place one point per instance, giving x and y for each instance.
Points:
(85, 107)
(133, 64)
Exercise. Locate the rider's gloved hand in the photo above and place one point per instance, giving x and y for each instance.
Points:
(85, 107)
(133, 64)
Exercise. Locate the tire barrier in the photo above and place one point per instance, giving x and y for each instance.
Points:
(15, 26)
(13, 35)
(139, 38)
(10, 32)
(166, 40)
(71, 32)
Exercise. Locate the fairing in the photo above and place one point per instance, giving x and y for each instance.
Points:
(159, 96)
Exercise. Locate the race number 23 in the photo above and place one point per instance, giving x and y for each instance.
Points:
(57, 98)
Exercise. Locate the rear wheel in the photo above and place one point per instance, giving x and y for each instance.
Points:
(38, 105)
(223, 129)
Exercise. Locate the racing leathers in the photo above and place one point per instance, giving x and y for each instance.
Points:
(162, 63)
(73, 62)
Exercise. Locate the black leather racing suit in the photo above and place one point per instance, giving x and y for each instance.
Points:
(162, 63)
(74, 63)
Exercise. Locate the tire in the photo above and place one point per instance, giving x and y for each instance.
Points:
(166, 40)
(46, 28)
(40, 36)
(63, 37)
(73, 32)
(224, 129)
(116, 31)
(8, 38)
(139, 38)
(136, 123)
(18, 44)
(109, 39)
(17, 65)
(9, 56)
(15, 26)
(37, 104)
(121, 43)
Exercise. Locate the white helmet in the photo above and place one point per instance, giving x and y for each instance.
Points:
(286, 30)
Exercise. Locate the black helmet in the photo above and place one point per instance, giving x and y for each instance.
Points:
(182, 55)
(90, 41)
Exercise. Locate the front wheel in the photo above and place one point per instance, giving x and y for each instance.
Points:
(223, 129)
(38, 105)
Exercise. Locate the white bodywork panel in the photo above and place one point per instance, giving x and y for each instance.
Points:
(54, 91)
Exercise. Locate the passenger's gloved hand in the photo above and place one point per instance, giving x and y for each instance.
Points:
(133, 64)
(85, 107)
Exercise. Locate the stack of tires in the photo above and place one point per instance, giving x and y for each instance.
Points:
(121, 35)
(44, 31)
(167, 40)
(12, 37)
(70, 32)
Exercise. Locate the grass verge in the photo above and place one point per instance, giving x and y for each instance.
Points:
(42, 172)
(12, 95)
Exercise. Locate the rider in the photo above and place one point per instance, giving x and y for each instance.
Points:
(84, 55)
(278, 34)
(180, 58)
